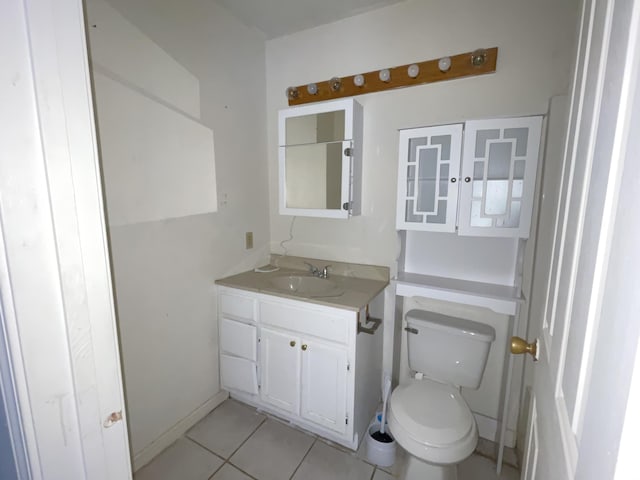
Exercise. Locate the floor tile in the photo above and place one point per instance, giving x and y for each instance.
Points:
(480, 468)
(224, 429)
(273, 452)
(324, 462)
(229, 472)
(184, 460)
(382, 475)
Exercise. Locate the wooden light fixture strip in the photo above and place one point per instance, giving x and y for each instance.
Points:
(461, 66)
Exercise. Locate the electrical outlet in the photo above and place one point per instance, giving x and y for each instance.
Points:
(248, 240)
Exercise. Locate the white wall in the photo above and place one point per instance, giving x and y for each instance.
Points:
(535, 41)
(208, 67)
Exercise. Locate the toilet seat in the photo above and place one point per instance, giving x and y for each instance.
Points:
(432, 421)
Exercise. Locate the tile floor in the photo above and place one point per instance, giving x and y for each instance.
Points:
(235, 442)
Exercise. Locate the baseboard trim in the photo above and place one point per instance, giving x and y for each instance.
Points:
(488, 428)
(144, 456)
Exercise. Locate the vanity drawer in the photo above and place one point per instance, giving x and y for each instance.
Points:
(306, 321)
(238, 339)
(238, 374)
(237, 306)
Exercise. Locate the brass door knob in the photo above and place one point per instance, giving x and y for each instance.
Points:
(520, 346)
(292, 343)
(304, 346)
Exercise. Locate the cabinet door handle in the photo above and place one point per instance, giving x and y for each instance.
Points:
(454, 179)
(304, 346)
(467, 179)
(292, 343)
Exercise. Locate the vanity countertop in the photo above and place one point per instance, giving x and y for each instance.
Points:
(358, 284)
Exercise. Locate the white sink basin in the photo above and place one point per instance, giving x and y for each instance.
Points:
(306, 286)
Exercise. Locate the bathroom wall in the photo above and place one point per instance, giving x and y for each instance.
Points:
(179, 88)
(535, 41)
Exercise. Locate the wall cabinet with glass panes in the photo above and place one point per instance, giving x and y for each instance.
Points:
(476, 178)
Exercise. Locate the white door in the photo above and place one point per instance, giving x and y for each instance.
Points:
(280, 364)
(324, 384)
(55, 283)
(575, 409)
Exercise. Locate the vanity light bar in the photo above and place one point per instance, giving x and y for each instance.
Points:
(478, 62)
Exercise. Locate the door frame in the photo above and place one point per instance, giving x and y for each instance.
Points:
(55, 277)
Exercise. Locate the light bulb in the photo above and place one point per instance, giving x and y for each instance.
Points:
(292, 93)
(444, 64)
(312, 88)
(335, 83)
(478, 57)
(413, 70)
(384, 75)
(358, 80)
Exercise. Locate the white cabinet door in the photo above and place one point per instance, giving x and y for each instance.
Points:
(324, 384)
(280, 364)
(498, 176)
(429, 166)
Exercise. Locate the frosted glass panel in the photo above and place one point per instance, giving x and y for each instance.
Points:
(411, 180)
(427, 168)
(414, 143)
(409, 216)
(445, 146)
(476, 219)
(496, 199)
(444, 179)
(441, 217)
(520, 135)
(481, 141)
(518, 169)
(499, 161)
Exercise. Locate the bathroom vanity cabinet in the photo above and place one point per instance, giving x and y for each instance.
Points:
(301, 361)
(476, 178)
(320, 159)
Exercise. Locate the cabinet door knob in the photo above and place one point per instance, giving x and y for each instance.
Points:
(292, 343)
(304, 347)
(467, 179)
(454, 179)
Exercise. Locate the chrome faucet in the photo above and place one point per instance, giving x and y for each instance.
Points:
(316, 272)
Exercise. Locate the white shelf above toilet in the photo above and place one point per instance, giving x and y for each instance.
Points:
(499, 298)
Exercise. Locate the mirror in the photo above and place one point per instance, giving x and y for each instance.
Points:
(313, 160)
(313, 175)
(316, 128)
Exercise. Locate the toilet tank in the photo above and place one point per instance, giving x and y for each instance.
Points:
(448, 349)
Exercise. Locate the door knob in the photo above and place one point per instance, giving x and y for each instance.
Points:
(520, 346)
(292, 343)
(304, 347)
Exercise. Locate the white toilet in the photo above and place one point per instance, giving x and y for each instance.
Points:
(428, 416)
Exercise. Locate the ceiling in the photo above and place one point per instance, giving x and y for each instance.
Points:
(276, 18)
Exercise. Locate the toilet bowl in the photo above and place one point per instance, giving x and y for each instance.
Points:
(427, 415)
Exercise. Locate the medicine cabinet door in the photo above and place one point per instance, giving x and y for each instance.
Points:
(498, 176)
(320, 159)
(429, 167)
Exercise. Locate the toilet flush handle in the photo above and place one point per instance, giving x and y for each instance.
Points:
(411, 330)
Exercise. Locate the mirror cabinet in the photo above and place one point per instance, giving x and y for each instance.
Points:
(320, 159)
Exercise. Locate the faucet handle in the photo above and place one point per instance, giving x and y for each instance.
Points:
(325, 271)
(312, 268)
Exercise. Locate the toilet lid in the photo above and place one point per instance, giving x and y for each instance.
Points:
(432, 412)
